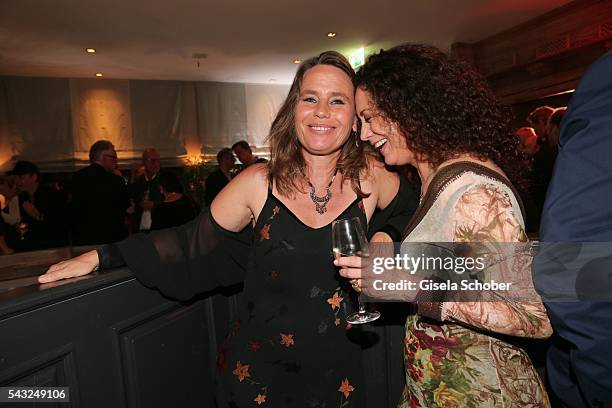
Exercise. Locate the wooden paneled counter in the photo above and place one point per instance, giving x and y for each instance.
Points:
(114, 342)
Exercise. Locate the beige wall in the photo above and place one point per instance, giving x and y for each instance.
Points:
(52, 121)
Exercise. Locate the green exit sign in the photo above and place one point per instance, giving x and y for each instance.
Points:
(357, 58)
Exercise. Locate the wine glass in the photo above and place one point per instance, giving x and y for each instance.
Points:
(348, 239)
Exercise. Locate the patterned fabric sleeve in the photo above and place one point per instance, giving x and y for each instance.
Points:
(485, 213)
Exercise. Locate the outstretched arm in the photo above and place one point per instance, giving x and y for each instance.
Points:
(210, 251)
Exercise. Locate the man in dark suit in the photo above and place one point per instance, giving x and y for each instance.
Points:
(220, 177)
(577, 214)
(99, 199)
(145, 191)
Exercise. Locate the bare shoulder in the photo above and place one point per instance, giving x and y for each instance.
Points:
(242, 199)
(253, 177)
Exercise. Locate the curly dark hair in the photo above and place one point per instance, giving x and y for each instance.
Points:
(443, 107)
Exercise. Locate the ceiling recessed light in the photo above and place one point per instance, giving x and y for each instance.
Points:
(99, 74)
(331, 34)
(297, 61)
(90, 50)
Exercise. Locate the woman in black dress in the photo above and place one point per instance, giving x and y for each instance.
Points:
(271, 228)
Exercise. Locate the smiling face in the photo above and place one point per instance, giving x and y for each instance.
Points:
(382, 134)
(325, 111)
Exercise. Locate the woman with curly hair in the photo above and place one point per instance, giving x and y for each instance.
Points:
(420, 107)
(270, 228)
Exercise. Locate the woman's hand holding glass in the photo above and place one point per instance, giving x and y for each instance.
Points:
(351, 267)
(349, 246)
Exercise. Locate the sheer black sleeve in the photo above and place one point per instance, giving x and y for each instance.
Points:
(395, 217)
(185, 260)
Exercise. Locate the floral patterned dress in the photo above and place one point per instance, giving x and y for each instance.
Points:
(462, 363)
(292, 346)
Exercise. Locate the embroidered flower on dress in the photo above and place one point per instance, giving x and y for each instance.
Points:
(335, 300)
(346, 388)
(287, 340)
(264, 232)
(260, 399)
(241, 371)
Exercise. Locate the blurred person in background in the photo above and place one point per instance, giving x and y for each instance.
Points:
(538, 119)
(176, 208)
(529, 140)
(42, 210)
(544, 158)
(243, 152)
(218, 179)
(554, 124)
(99, 199)
(145, 191)
(10, 213)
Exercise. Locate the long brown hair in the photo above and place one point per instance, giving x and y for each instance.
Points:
(287, 167)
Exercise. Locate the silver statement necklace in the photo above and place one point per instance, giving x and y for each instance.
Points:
(321, 202)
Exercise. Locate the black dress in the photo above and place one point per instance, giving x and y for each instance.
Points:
(173, 214)
(292, 345)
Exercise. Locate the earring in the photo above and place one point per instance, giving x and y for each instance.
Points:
(355, 134)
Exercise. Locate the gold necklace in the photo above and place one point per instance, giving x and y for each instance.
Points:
(321, 202)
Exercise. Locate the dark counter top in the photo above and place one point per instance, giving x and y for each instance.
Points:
(31, 295)
(20, 290)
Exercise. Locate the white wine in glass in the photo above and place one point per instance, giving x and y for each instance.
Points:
(348, 239)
